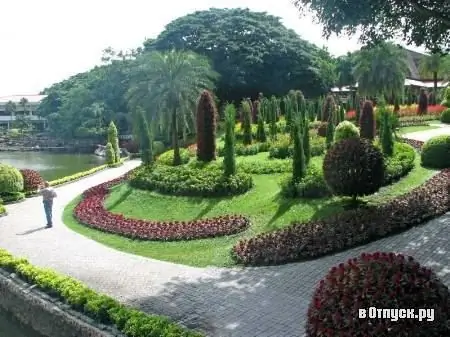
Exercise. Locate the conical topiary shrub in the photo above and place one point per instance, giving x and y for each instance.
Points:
(367, 121)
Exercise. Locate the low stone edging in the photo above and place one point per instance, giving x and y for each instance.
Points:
(44, 314)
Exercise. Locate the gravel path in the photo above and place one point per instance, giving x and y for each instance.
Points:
(250, 302)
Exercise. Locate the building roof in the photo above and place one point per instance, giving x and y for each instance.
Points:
(408, 82)
(17, 98)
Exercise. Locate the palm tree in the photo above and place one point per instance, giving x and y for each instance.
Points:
(435, 65)
(381, 70)
(167, 85)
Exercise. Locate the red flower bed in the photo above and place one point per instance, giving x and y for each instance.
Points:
(392, 281)
(91, 211)
(31, 180)
(349, 228)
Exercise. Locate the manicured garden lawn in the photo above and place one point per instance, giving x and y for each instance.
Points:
(410, 129)
(262, 205)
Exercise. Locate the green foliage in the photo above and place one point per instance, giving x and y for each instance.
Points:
(306, 142)
(197, 179)
(341, 114)
(274, 106)
(11, 180)
(11, 197)
(260, 131)
(2, 209)
(330, 132)
(400, 163)
(246, 122)
(229, 161)
(101, 308)
(328, 109)
(345, 130)
(282, 148)
(312, 185)
(109, 153)
(206, 127)
(423, 103)
(445, 116)
(298, 158)
(436, 152)
(247, 150)
(263, 67)
(387, 137)
(446, 97)
(383, 19)
(272, 166)
(146, 139)
(167, 157)
(354, 167)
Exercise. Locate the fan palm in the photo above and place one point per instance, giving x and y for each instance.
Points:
(381, 70)
(436, 65)
(167, 86)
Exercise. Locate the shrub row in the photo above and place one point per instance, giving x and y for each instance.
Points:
(77, 176)
(349, 228)
(191, 181)
(247, 150)
(436, 152)
(91, 212)
(271, 166)
(282, 148)
(12, 197)
(103, 309)
(400, 163)
(313, 185)
(167, 157)
(415, 120)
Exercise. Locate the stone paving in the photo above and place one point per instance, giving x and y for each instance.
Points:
(238, 302)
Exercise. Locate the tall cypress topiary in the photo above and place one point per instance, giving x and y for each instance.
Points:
(387, 138)
(146, 139)
(330, 132)
(229, 160)
(114, 140)
(341, 114)
(306, 142)
(246, 122)
(423, 103)
(206, 127)
(328, 108)
(273, 117)
(298, 160)
(260, 131)
(367, 121)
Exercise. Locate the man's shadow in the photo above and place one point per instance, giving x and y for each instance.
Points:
(31, 231)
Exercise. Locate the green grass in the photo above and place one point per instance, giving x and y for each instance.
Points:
(262, 205)
(410, 129)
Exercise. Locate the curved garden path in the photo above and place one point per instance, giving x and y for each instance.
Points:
(250, 302)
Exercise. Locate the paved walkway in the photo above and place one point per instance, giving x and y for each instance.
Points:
(444, 129)
(251, 302)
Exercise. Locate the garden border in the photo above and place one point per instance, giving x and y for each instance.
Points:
(104, 312)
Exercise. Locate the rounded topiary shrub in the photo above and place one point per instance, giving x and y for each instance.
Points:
(166, 158)
(345, 130)
(378, 280)
(445, 116)
(203, 181)
(11, 180)
(31, 180)
(436, 152)
(354, 167)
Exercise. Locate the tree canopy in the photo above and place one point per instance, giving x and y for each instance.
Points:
(252, 51)
(419, 22)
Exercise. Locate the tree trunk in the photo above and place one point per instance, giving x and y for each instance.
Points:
(175, 144)
(435, 74)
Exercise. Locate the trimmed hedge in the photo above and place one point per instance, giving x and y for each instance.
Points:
(191, 181)
(313, 185)
(11, 180)
(91, 212)
(12, 197)
(436, 152)
(445, 116)
(166, 158)
(400, 164)
(271, 166)
(101, 308)
(282, 149)
(247, 150)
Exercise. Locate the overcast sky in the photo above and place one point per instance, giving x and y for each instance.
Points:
(46, 41)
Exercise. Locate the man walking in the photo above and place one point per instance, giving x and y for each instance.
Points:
(48, 194)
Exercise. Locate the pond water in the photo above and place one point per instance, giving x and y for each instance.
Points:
(9, 327)
(51, 165)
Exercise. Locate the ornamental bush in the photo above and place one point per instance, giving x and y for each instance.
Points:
(206, 127)
(354, 167)
(436, 152)
(345, 130)
(281, 148)
(400, 163)
(328, 108)
(246, 111)
(322, 129)
(367, 121)
(446, 97)
(229, 160)
(312, 185)
(11, 180)
(189, 180)
(445, 116)
(109, 153)
(31, 180)
(166, 158)
(423, 103)
(380, 280)
(114, 140)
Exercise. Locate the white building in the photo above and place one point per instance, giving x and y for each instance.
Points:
(7, 118)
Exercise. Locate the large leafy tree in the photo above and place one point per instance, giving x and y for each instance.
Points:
(381, 70)
(167, 86)
(344, 70)
(252, 51)
(417, 21)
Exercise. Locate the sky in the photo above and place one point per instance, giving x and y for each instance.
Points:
(46, 41)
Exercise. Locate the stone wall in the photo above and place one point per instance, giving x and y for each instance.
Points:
(44, 314)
